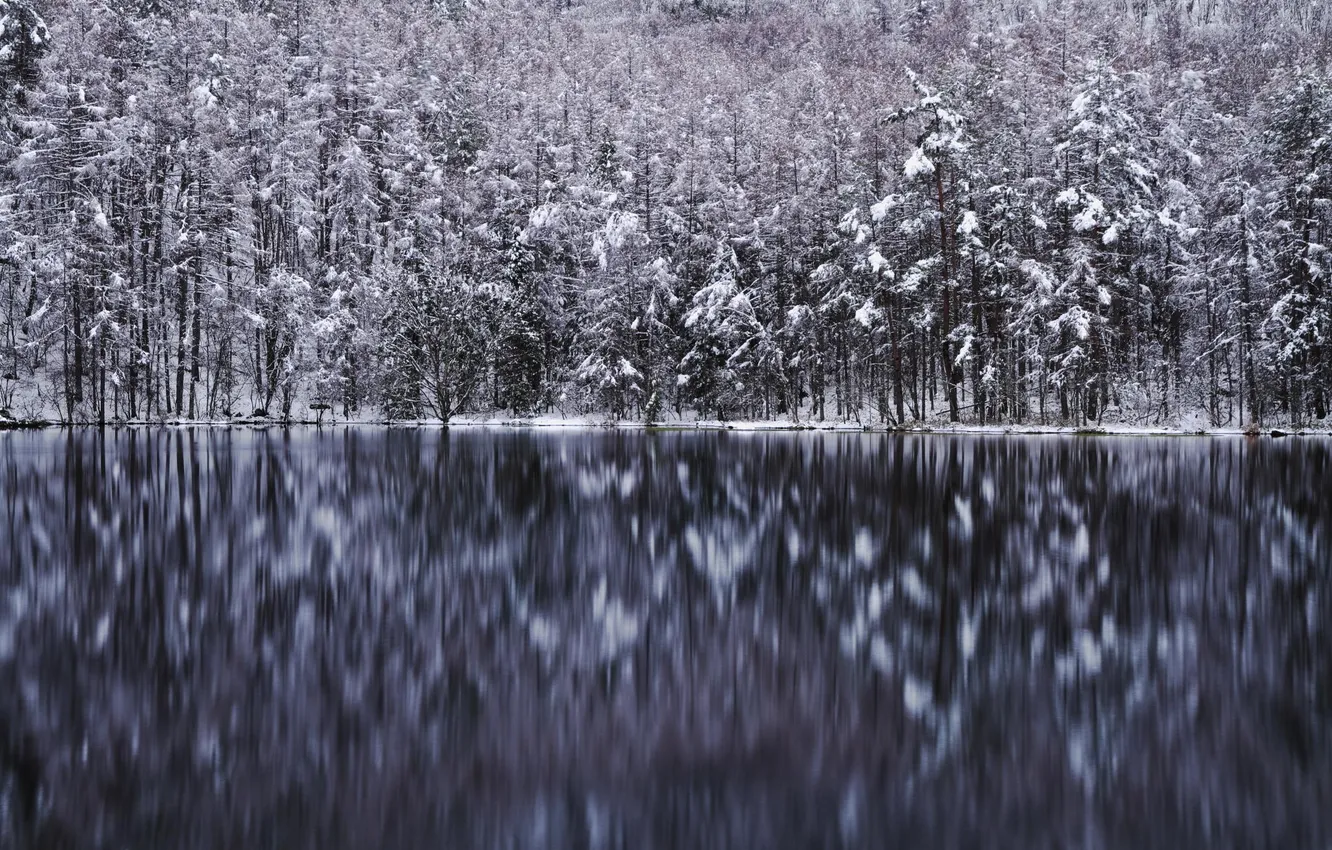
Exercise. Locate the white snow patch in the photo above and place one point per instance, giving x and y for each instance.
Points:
(1090, 215)
(1081, 103)
(877, 261)
(866, 315)
(918, 164)
(202, 95)
(969, 224)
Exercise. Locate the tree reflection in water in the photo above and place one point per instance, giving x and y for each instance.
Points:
(414, 638)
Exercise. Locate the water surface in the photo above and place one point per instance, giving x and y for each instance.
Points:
(414, 638)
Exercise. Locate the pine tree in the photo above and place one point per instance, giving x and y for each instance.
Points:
(1297, 139)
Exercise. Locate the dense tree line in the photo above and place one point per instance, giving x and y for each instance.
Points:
(981, 211)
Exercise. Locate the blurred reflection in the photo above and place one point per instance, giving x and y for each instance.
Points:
(409, 638)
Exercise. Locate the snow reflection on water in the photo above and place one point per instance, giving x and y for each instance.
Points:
(405, 637)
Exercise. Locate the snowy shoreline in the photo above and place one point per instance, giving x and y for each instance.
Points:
(759, 426)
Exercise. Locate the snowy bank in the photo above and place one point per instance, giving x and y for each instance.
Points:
(592, 422)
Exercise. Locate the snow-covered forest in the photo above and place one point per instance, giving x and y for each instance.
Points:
(976, 210)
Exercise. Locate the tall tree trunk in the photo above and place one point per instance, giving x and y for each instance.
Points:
(945, 338)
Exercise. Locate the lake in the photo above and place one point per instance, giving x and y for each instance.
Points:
(382, 637)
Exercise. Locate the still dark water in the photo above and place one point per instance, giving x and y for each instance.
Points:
(409, 638)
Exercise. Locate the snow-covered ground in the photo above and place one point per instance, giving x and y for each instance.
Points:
(591, 421)
(30, 410)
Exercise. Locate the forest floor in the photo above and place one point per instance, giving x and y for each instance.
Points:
(687, 423)
(852, 426)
